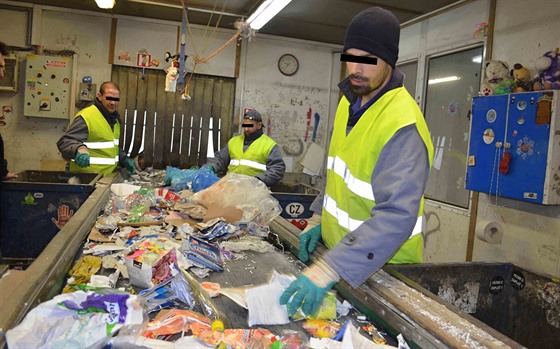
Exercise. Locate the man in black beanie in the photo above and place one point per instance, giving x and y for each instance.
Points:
(378, 163)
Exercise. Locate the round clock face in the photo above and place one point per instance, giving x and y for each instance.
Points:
(288, 64)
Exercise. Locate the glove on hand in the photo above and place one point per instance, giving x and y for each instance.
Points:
(310, 288)
(308, 242)
(82, 159)
(129, 165)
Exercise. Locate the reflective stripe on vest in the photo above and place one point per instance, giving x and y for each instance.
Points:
(249, 163)
(344, 220)
(355, 185)
(102, 145)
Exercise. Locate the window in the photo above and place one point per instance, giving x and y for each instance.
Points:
(453, 79)
(410, 71)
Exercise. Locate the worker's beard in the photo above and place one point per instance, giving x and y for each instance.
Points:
(371, 84)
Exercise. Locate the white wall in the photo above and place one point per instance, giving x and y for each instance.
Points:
(286, 101)
(524, 30)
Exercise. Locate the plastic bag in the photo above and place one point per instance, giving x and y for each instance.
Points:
(203, 179)
(77, 320)
(178, 179)
(244, 192)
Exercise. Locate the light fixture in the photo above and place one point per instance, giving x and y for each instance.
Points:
(445, 79)
(265, 12)
(477, 59)
(106, 4)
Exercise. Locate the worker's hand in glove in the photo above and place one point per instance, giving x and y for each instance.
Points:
(82, 158)
(309, 289)
(129, 165)
(308, 242)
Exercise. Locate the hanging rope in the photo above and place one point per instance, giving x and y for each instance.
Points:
(243, 31)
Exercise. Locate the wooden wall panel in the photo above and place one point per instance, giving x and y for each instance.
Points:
(159, 123)
(205, 121)
(169, 130)
(149, 136)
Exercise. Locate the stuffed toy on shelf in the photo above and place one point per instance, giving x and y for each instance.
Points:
(548, 67)
(496, 79)
(522, 78)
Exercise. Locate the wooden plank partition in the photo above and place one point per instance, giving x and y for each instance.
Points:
(167, 129)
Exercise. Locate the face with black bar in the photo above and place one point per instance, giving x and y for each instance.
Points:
(250, 126)
(367, 72)
(110, 98)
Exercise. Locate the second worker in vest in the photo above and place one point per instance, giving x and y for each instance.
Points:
(251, 153)
(91, 142)
(377, 169)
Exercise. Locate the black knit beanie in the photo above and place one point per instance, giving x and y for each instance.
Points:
(376, 31)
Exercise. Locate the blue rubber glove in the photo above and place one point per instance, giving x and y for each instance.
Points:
(129, 165)
(308, 242)
(305, 294)
(82, 159)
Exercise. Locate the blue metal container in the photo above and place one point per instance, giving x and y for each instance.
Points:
(36, 206)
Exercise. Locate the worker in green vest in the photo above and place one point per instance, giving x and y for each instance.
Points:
(251, 153)
(377, 169)
(91, 142)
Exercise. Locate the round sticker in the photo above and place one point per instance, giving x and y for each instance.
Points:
(517, 280)
(488, 136)
(496, 285)
(491, 115)
(521, 105)
(521, 120)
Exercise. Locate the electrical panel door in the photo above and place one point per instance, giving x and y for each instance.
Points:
(514, 147)
(48, 83)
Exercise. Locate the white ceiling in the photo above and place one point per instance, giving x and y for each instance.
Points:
(316, 20)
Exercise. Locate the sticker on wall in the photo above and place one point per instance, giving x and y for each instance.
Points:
(488, 136)
(497, 285)
(521, 120)
(124, 56)
(491, 115)
(525, 147)
(521, 105)
(453, 108)
(143, 59)
(517, 280)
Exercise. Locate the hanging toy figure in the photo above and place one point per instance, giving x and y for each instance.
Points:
(172, 73)
(171, 77)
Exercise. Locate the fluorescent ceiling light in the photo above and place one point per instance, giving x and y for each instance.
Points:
(106, 4)
(445, 79)
(477, 59)
(265, 12)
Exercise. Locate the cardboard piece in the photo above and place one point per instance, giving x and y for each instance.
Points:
(312, 160)
(229, 214)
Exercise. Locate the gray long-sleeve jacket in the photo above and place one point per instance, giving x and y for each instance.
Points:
(77, 133)
(275, 166)
(398, 182)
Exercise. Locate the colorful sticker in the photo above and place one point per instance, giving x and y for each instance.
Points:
(491, 115)
(525, 147)
(488, 136)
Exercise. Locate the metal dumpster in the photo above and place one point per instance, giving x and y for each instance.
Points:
(518, 303)
(35, 207)
(295, 200)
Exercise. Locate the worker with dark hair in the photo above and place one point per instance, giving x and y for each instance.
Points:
(91, 143)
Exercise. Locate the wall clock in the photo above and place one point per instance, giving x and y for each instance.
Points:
(288, 64)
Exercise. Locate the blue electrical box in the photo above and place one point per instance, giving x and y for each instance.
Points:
(514, 147)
